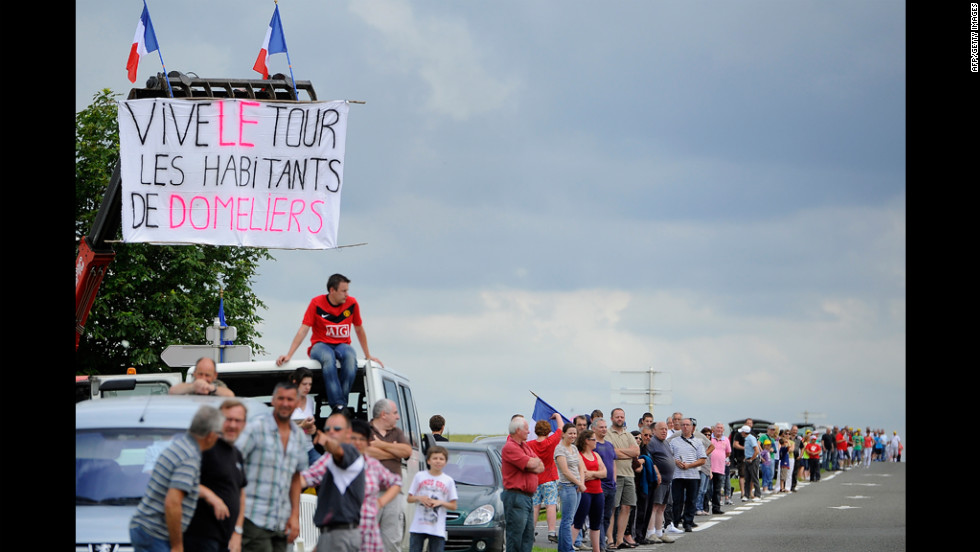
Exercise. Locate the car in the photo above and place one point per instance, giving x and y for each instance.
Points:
(477, 524)
(117, 441)
(497, 441)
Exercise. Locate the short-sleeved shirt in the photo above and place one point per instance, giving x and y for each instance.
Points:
(269, 470)
(177, 467)
(431, 521)
(393, 435)
(571, 457)
(687, 450)
(622, 440)
(750, 444)
(607, 452)
(663, 458)
(331, 324)
(515, 458)
(545, 450)
(222, 471)
(723, 449)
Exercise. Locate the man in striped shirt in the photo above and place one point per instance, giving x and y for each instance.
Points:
(689, 455)
(171, 495)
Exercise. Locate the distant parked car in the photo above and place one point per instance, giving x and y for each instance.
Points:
(496, 442)
(477, 524)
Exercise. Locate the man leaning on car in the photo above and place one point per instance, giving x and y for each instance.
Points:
(168, 505)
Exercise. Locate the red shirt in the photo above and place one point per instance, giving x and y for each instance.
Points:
(545, 450)
(331, 324)
(813, 449)
(515, 457)
(841, 441)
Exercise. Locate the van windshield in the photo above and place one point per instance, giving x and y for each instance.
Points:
(113, 466)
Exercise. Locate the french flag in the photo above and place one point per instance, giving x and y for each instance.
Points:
(144, 42)
(275, 43)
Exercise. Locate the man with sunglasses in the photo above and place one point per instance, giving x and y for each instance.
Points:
(339, 473)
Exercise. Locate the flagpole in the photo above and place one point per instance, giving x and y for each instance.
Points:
(160, 55)
(288, 62)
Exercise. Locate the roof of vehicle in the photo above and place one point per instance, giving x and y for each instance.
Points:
(162, 411)
(758, 425)
(481, 445)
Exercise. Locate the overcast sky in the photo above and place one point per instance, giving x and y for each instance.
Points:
(554, 193)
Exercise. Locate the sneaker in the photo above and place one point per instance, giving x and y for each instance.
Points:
(654, 539)
(552, 537)
(672, 529)
(667, 539)
(717, 512)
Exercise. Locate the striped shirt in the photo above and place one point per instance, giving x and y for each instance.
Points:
(687, 450)
(177, 467)
(269, 470)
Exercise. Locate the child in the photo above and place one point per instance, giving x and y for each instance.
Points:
(766, 466)
(784, 451)
(434, 491)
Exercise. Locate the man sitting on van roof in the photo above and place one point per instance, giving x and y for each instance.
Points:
(205, 382)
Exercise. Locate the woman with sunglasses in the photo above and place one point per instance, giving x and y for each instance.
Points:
(591, 501)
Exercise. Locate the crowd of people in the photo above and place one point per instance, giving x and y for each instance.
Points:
(228, 486)
(619, 488)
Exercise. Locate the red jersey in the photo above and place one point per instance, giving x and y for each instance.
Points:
(813, 449)
(331, 324)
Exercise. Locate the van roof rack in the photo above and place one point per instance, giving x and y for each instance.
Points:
(277, 87)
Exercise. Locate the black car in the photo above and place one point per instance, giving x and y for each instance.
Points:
(477, 524)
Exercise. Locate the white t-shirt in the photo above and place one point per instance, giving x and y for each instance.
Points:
(303, 412)
(431, 521)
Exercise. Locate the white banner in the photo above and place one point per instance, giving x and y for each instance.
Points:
(232, 171)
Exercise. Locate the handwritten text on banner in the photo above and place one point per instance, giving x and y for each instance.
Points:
(232, 171)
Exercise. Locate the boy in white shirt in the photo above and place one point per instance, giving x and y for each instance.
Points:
(435, 492)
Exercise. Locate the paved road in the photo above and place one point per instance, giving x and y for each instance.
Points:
(858, 509)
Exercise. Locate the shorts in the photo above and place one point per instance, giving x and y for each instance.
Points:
(625, 491)
(547, 494)
(661, 494)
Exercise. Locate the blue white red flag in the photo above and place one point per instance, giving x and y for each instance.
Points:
(275, 43)
(144, 42)
(544, 411)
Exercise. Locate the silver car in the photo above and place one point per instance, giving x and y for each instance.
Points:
(117, 441)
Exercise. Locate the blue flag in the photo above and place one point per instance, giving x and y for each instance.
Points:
(221, 319)
(544, 411)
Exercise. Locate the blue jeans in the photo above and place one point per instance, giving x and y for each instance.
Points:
(415, 540)
(145, 542)
(337, 387)
(765, 472)
(702, 491)
(569, 496)
(608, 507)
(519, 516)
